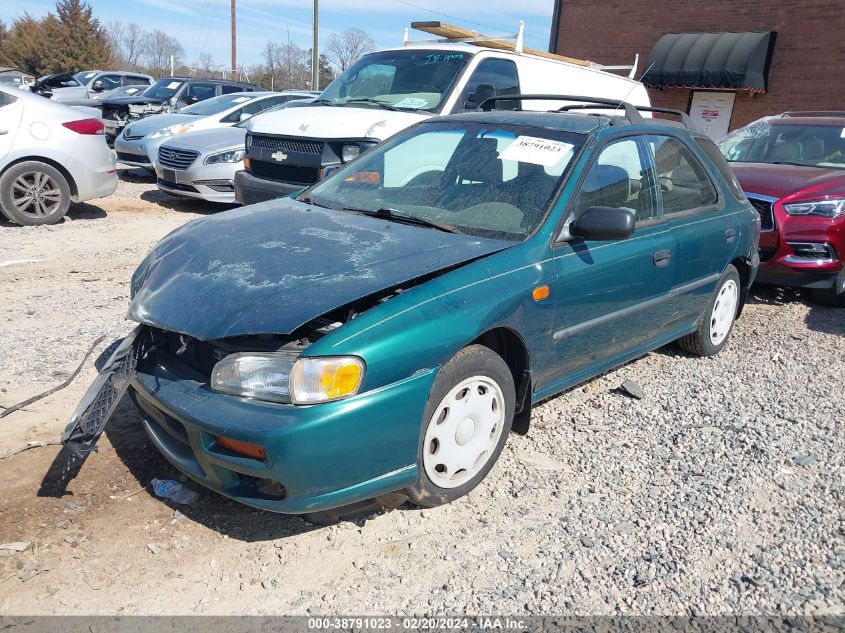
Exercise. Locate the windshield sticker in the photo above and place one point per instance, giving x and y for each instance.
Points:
(842, 133)
(240, 99)
(89, 75)
(412, 102)
(537, 151)
(173, 85)
(435, 58)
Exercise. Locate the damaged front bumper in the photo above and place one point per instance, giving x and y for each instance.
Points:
(314, 457)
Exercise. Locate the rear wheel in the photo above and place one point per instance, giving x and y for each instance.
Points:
(34, 193)
(466, 424)
(718, 319)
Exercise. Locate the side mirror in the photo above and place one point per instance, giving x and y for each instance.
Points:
(604, 223)
(97, 86)
(481, 94)
(244, 116)
(190, 100)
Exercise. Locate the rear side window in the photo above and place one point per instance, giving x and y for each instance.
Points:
(684, 183)
(135, 80)
(721, 165)
(228, 89)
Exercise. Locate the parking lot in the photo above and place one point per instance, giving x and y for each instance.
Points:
(719, 492)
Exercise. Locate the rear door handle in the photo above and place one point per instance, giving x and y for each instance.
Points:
(730, 236)
(662, 258)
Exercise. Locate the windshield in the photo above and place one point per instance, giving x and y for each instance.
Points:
(770, 141)
(85, 76)
(216, 104)
(484, 180)
(163, 89)
(406, 80)
(123, 91)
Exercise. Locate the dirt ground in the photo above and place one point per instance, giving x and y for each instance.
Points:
(99, 541)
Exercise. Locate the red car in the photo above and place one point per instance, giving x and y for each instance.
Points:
(792, 169)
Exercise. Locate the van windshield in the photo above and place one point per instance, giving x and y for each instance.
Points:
(402, 80)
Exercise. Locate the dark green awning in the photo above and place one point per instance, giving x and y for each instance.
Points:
(734, 61)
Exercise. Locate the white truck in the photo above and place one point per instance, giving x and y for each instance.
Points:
(390, 90)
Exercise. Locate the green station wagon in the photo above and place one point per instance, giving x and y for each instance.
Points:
(386, 329)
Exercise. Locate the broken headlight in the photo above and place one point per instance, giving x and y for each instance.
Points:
(283, 377)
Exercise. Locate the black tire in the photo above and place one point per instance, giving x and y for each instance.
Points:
(700, 342)
(46, 202)
(472, 361)
(833, 297)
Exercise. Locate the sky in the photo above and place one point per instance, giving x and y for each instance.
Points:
(203, 25)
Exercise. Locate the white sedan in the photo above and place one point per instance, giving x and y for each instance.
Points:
(50, 155)
(138, 144)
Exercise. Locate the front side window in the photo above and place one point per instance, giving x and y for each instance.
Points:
(199, 92)
(684, 183)
(500, 74)
(486, 180)
(621, 177)
(777, 141)
(108, 82)
(404, 80)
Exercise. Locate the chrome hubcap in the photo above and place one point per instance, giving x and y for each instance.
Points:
(724, 311)
(35, 194)
(463, 432)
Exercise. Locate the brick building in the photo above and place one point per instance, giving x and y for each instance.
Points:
(805, 65)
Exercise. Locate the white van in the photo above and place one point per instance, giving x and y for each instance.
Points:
(390, 90)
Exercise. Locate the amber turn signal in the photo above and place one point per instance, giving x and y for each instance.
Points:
(246, 163)
(540, 293)
(242, 448)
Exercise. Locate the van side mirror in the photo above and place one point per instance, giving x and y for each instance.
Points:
(481, 94)
(604, 223)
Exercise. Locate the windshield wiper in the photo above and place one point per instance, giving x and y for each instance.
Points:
(381, 104)
(403, 218)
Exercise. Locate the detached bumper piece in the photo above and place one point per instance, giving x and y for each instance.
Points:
(99, 402)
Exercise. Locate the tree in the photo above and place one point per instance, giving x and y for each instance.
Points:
(205, 64)
(23, 48)
(158, 47)
(132, 44)
(75, 39)
(345, 49)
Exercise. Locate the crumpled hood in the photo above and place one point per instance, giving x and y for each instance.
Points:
(272, 267)
(135, 100)
(335, 121)
(779, 181)
(151, 124)
(213, 140)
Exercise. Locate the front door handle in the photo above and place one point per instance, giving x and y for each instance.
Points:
(730, 236)
(662, 258)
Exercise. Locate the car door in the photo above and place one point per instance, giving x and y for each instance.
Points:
(608, 293)
(694, 211)
(11, 111)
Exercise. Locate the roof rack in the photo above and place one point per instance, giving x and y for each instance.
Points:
(451, 33)
(632, 112)
(813, 113)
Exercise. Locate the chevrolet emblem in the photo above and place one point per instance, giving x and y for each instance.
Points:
(279, 156)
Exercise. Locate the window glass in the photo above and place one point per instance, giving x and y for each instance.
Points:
(619, 178)
(779, 141)
(134, 80)
(721, 165)
(6, 99)
(486, 180)
(684, 183)
(499, 73)
(415, 79)
(199, 92)
(109, 81)
(163, 88)
(62, 80)
(228, 89)
(215, 104)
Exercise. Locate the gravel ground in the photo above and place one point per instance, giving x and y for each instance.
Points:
(720, 492)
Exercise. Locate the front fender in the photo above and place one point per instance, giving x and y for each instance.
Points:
(425, 326)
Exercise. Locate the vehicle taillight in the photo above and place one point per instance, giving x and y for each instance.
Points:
(86, 126)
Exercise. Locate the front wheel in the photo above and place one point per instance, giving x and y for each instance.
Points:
(718, 319)
(465, 426)
(833, 297)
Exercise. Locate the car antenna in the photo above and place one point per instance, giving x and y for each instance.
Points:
(634, 87)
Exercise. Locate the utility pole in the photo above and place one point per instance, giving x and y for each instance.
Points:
(234, 46)
(315, 55)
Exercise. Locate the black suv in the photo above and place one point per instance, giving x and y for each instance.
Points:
(166, 95)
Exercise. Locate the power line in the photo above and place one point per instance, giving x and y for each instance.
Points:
(453, 17)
